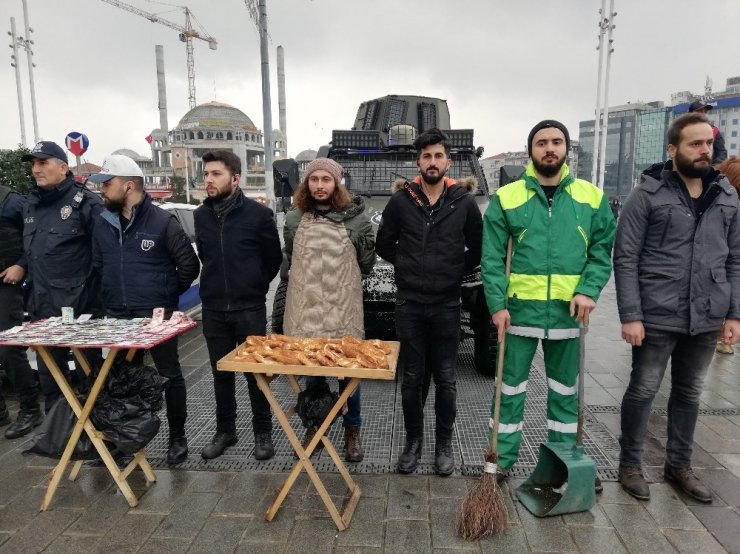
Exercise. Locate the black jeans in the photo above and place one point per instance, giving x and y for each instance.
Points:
(690, 358)
(167, 361)
(223, 332)
(14, 358)
(430, 336)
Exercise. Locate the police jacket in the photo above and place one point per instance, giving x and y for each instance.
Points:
(57, 240)
(674, 271)
(240, 252)
(12, 205)
(431, 251)
(146, 265)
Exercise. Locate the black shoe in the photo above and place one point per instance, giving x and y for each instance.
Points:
(24, 424)
(219, 443)
(263, 448)
(444, 462)
(409, 458)
(598, 487)
(4, 417)
(178, 451)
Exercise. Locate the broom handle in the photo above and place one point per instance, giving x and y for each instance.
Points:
(581, 365)
(500, 365)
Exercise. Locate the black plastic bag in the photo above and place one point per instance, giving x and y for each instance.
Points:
(129, 423)
(315, 403)
(52, 437)
(129, 379)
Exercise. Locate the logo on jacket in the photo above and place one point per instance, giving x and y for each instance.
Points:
(376, 218)
(147, 244)
(65, 212)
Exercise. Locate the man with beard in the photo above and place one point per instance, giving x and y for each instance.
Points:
(561, 230)
(431, 233)
(239, 246)
(677, 272)
(145, 261)
(329, 245)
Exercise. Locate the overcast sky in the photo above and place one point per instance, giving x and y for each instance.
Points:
(501, 65)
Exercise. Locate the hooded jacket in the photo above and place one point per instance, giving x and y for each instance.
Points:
(240, 252)
(558, 251)
(431, 254)
(673, 272)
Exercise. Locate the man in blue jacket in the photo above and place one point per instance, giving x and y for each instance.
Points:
(146, 261)
(239, 246)
(57, 240)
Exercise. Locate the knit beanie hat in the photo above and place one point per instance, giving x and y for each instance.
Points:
(547, 123)
(330, 166)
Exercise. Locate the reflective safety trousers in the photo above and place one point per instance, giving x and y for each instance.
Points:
(561, 366)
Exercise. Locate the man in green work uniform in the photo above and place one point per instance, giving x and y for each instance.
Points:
(562, 231)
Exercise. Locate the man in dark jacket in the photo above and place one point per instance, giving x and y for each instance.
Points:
(431, 232)
(239, 246)
(14, 358)
(57, 240)
(719, 152)
(145, 261)
(677, 269)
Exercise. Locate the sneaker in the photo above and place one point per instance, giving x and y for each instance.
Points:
(220, 441)
(724, 348)
(352, 444)
(444, 463)
(263, 447)
(409, 458)
(688, 482)
(24, 424)
(633, 482)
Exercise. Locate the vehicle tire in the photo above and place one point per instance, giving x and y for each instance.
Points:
(485, 348)
(278, 307)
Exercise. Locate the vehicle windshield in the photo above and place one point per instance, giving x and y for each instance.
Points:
(374, 173)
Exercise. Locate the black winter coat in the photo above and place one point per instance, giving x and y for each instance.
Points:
(57, 240)
(431, 255)
(672, 272)
(240, 252)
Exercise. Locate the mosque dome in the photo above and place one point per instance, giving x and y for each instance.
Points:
(306, 156)
(216, 115)
(131, 154)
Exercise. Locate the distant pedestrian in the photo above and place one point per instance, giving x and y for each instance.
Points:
(146, 261)
(677, 270)
(14, 358)
(719, 152)
(239, 246)
(431, 233)
(561, 231)
(330, 244)
(57, 237)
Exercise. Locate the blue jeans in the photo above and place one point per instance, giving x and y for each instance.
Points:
(690, 357)
(352, 418)
(430, 336)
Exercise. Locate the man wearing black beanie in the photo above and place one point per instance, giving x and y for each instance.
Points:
(561, 230)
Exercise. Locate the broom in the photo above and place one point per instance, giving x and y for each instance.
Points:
(483, 512)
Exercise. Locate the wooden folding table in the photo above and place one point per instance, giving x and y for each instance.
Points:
(264, 374)
(115, 335)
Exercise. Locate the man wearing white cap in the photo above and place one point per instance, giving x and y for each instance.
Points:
(146, 261)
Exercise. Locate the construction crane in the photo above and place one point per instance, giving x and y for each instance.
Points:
(187, 34)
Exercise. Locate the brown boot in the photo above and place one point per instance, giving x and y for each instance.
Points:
(633, 482)
(688, 482)
(353, 444)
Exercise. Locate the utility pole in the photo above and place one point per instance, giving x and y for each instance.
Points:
(601, 119)
(27, 43)
(14, 63)
(266, 105)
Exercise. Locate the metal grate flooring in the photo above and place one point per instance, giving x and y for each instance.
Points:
(383, 433)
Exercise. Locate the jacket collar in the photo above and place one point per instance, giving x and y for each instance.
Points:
(113, 217)
(39, 195)
(660, 174)
(532, 182)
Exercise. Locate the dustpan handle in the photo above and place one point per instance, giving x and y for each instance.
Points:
(581, 378)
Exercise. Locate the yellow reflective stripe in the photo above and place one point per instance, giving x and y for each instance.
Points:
(583, 234)
(534, 287)
(586, 193)
(514, 194)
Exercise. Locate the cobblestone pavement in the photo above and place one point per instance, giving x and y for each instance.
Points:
(219, 506)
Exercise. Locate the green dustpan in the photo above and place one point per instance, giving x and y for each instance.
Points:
(563, 481)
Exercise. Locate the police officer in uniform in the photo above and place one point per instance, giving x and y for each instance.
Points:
(14, 358)
(57, 240)
(145, 261)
